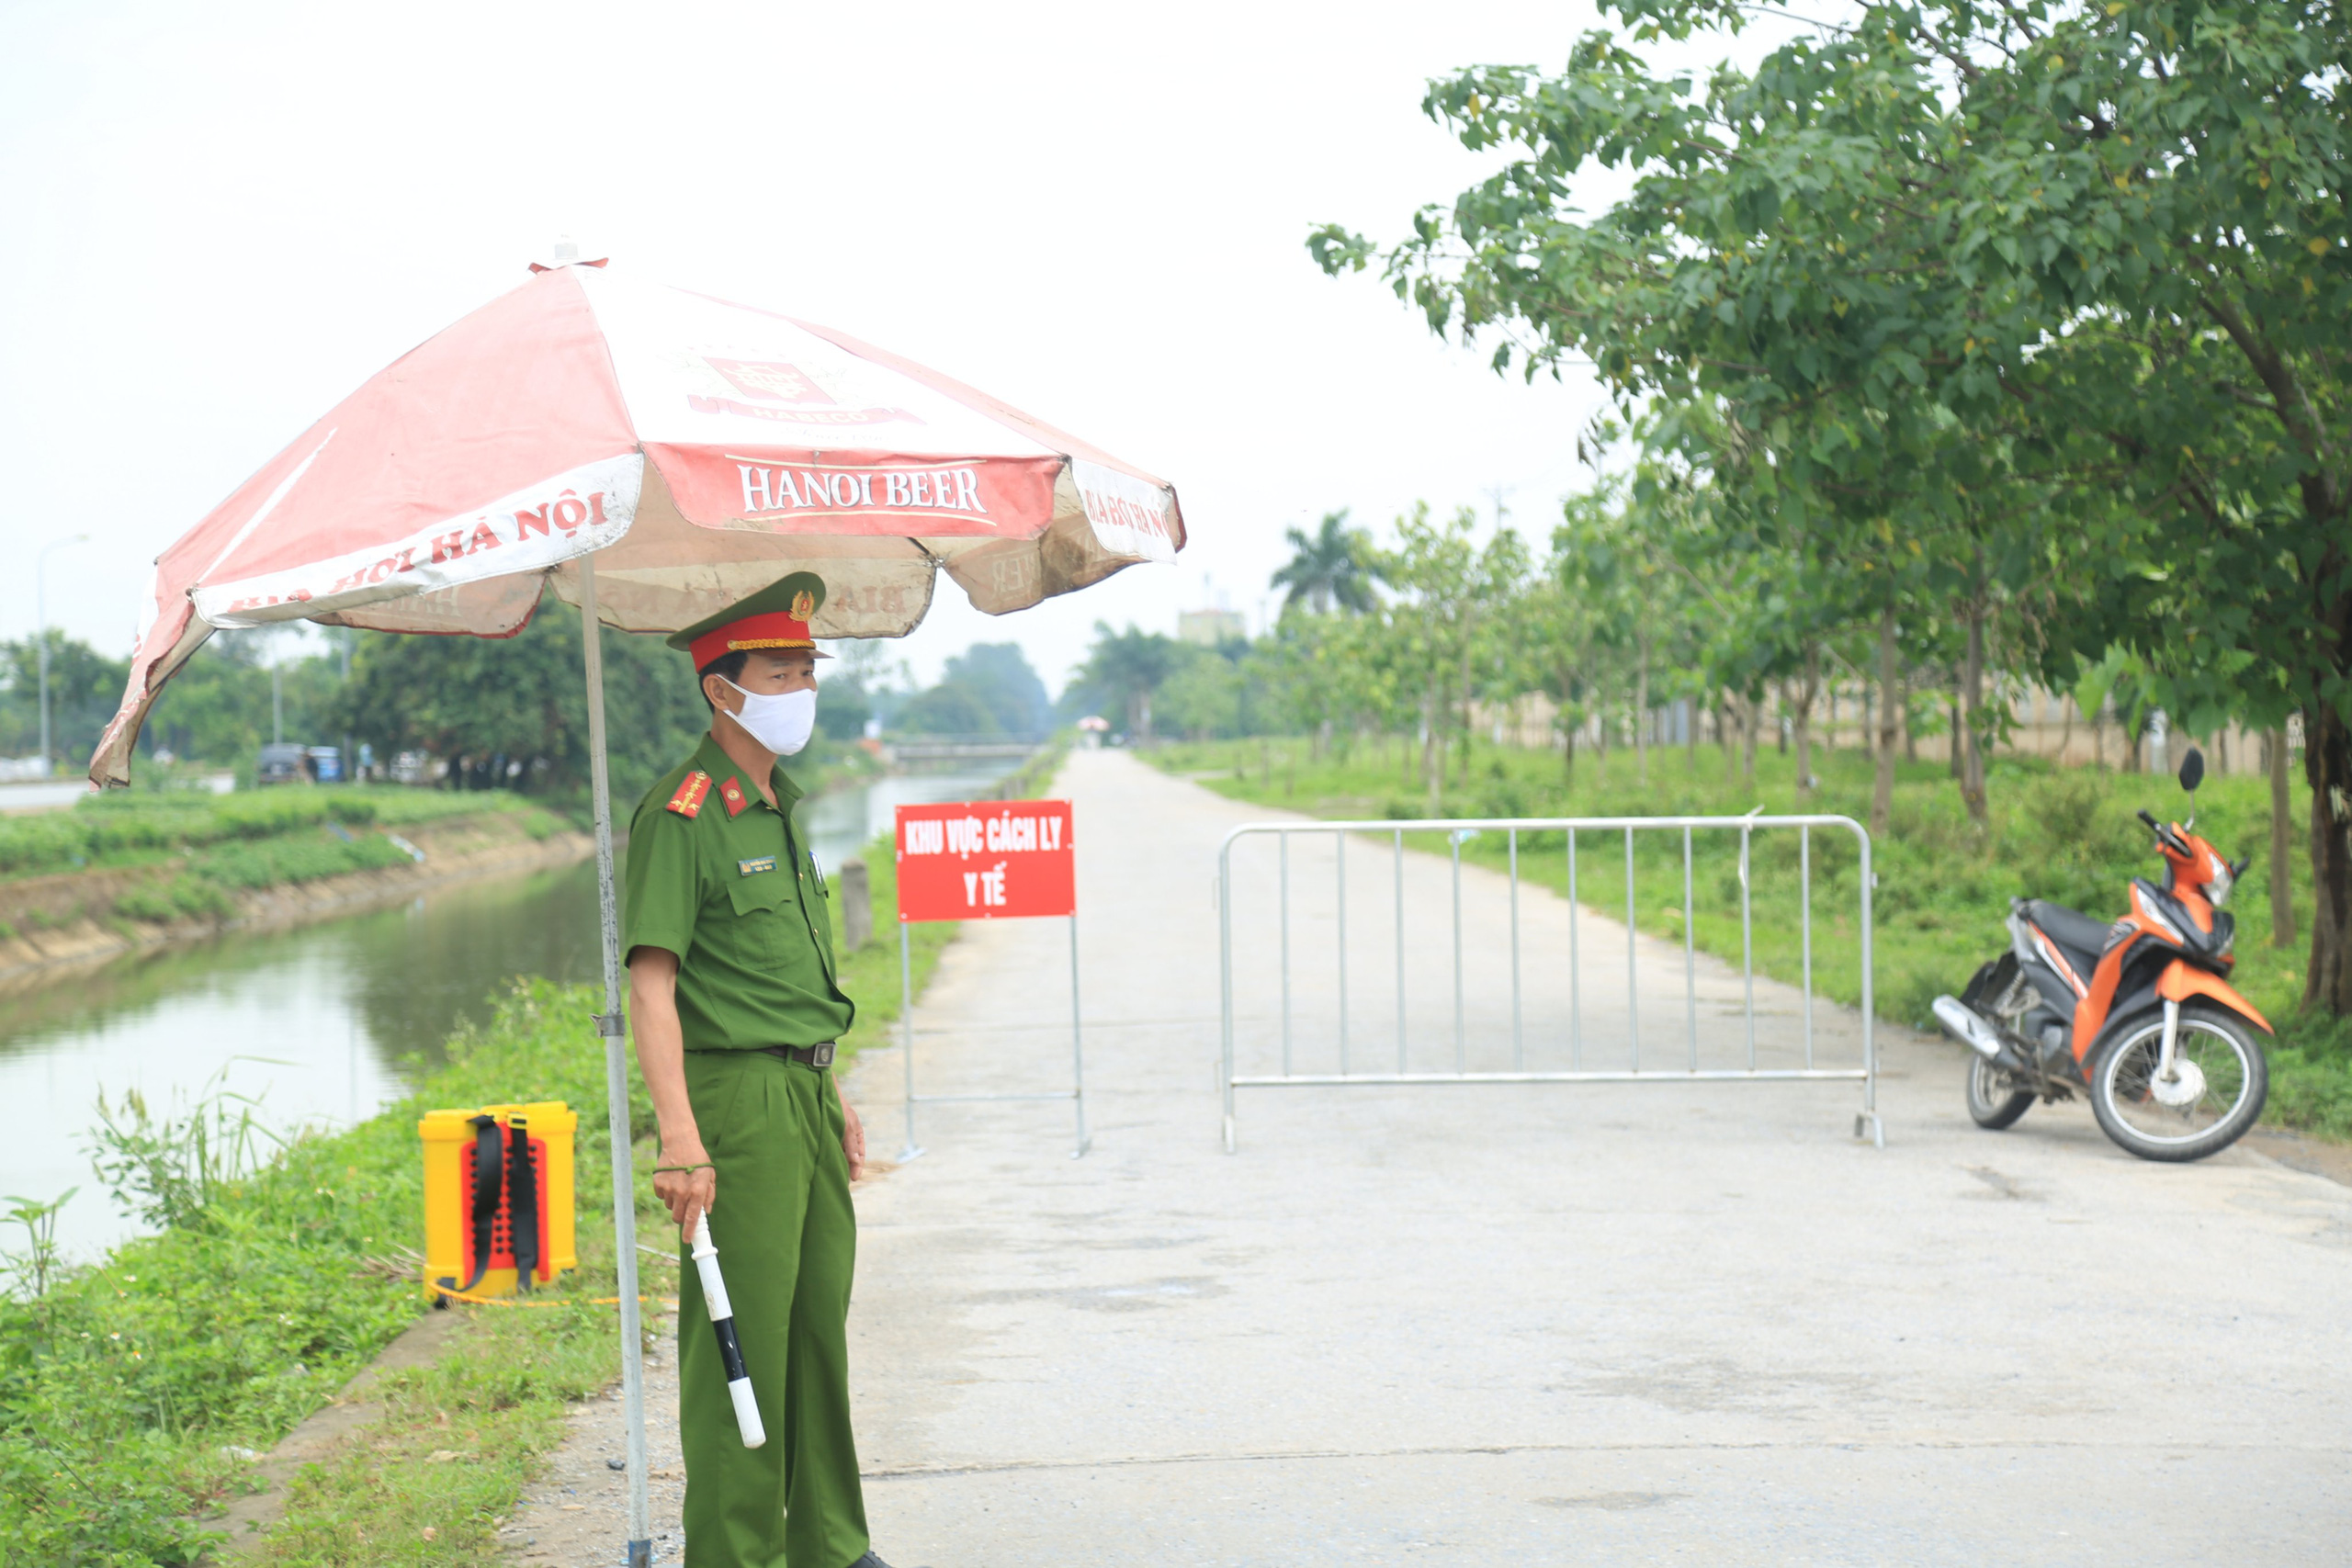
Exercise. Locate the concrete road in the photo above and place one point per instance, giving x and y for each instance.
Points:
(1548, 1324)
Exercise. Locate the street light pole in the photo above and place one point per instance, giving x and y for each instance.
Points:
(40, 632)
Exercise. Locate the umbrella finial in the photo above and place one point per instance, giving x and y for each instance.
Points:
(567, 253)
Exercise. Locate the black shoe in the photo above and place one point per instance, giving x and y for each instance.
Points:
(869, 1561)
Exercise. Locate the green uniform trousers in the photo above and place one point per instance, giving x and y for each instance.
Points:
(787, 1241)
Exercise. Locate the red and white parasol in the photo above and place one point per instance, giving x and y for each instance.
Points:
(701, 448)
(653, 456)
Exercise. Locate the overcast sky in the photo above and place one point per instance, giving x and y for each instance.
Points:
(224, 218)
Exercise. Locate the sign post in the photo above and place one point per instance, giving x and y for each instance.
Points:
(986, 860)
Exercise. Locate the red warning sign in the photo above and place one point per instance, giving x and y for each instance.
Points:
(986, 860)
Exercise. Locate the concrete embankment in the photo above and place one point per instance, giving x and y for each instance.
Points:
(69, 921)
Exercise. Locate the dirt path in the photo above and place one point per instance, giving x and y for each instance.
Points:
(576, 1514)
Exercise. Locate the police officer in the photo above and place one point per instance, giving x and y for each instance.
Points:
(737, 1006)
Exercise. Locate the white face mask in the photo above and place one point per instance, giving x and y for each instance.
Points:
(781, 723)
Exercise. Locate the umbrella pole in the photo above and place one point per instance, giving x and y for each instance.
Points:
(609, 1024)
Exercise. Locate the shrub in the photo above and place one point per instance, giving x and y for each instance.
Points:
(269, 862)
(198, 900)
(152, 904)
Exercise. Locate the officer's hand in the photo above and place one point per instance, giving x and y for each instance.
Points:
(853, 1141)
(687, 1193)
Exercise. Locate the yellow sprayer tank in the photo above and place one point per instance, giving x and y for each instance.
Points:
(484, 1168)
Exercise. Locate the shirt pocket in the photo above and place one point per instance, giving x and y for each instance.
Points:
(762, 906)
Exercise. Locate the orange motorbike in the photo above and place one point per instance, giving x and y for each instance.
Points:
(2138, 1013)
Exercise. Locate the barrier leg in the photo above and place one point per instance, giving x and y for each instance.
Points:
(1077, 1049)
(906, 1036)
(1225, 987)
(1867, 1123)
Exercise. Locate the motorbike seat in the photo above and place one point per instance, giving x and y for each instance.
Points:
(2078, 934)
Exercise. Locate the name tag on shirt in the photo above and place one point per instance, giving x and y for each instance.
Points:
(753, 867)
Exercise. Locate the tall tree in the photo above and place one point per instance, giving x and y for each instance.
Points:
(522, 697)
(2091, 254)
(987, 689)
(84, 687)
(1207, 694)
(1125, 669)
(1450, 623)
(1334, 567)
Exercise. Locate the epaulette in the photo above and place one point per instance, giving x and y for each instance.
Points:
(691, 792)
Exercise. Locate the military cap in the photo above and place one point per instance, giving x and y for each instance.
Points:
(776, 616)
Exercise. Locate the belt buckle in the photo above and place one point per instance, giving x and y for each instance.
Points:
(821, 1056)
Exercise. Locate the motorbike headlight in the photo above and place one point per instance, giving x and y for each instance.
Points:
(2217, 887)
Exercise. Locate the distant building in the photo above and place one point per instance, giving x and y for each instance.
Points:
(1209, 627)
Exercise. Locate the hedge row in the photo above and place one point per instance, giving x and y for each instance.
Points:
(131, 826)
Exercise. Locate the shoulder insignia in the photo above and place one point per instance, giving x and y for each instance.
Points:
(692, 791)
(732, 793)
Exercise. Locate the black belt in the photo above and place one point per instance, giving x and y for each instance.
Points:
(807, 1055)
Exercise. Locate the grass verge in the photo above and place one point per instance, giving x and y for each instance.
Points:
(127, 828)
(1943, 886)
(181, 856)
(128, 1387)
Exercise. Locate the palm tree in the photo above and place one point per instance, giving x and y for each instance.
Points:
(1334, 566)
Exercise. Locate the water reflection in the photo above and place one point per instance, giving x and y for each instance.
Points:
(843, 823)
(344, 1014)
(347, 1011)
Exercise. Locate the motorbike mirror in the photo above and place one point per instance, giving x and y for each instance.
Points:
(2192, 770)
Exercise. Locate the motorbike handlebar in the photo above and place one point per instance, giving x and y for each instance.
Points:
(2165, 835)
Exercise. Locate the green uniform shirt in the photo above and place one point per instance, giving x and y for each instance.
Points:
(738, 898)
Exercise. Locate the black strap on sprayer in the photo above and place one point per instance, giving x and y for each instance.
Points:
(522, 1203)
(503, 1165)
(489, 1167)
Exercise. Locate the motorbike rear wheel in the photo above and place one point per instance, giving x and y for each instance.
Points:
(2235, 1081)
(1994, 1101)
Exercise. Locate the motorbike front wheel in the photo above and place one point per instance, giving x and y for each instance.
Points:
(2231, 1074)
(1993, 1101)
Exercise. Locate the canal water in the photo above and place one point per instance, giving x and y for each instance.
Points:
(324, 1023)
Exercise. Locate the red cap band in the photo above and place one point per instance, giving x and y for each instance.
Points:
(775, 629)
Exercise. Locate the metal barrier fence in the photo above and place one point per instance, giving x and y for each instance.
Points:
(1460, 830)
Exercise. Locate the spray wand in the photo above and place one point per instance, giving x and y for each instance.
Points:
(722, 1323)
